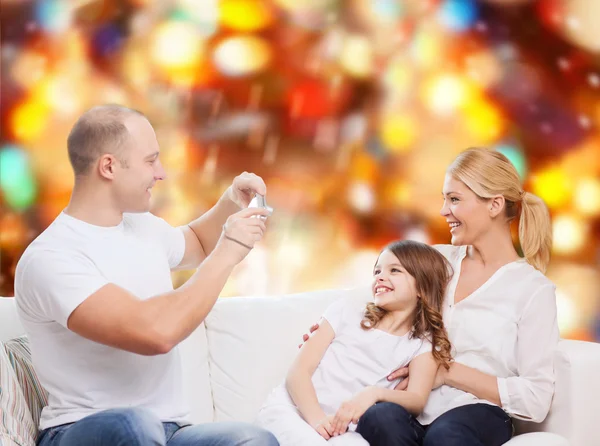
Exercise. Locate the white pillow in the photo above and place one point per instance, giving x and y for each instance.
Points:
(16, 423)
(252, 341)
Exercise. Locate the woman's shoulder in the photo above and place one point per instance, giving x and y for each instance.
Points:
(531, 277)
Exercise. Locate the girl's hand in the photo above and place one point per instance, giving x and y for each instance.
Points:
(324, 427)
(352, 410)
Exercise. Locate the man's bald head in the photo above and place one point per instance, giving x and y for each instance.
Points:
(98, 131)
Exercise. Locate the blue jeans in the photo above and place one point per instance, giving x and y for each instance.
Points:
(139, 427)
(388, 424)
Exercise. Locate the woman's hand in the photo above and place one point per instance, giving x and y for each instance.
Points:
(325, 427)
(305, 336)
(400, 373)
(440, 377)
(352, 410)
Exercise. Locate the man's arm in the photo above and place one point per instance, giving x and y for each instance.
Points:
(114, 317)
(202, 234)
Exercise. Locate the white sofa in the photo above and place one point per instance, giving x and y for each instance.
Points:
(246, 344)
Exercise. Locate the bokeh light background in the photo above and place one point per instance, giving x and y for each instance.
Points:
(350, 110)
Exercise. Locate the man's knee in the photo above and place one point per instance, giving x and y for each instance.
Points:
(256, 436)
(126, 427)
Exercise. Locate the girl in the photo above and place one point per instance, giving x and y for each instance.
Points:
(341, 371)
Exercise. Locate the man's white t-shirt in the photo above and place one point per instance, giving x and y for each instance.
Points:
(356, 358)
(66, 264)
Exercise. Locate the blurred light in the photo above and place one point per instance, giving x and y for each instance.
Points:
(484, 68)
(29, 68)
(516, 157)
(483, 121)
(566, 313)
(107, 40)
(205, 18)
(242, 55)
(13, 232)
(245, 15)
(417, 234)
(16, 180)
(553, 186)
(61, 94)
(569, 234)
(400, 194)
(587, 196)
(446, 93)
(135, 68)
(426, 47)
(398, 77)
(398, 132)
(458, 15)
(292, 253)
(361, 197)
(387, 10)
(178, 49)
(357, 56)
(353, 128)
(364, 168)
(29, 119)
(54, 15)
(357, 271)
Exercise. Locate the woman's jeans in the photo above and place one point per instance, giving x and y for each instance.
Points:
(388, 424)
(139, 427)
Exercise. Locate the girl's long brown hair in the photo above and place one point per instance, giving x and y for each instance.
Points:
(432, 272)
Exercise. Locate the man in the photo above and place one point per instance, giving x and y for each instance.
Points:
(95, 295)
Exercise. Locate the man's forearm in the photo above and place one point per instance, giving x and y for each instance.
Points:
(173, 316)
(473, 381)
(208, 227)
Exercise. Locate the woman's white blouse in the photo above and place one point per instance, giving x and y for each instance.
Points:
(507, 328)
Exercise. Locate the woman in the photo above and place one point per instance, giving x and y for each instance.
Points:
(500, 313)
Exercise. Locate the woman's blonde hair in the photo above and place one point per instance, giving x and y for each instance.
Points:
(432, 273)
(488, 173)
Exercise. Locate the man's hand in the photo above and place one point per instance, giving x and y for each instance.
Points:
(244, 187)
(324, 427)
(351, 410)
(305, 336)
(400, 373)
(240, 233)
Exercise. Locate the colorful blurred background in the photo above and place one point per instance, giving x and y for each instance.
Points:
(350, 110)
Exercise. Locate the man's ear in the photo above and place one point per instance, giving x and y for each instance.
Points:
(106, 166)
(496, 205)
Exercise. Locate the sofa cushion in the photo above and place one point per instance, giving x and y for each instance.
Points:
(16, 424)
(19, 355)
(10, 324)
(196, 382)
(252, 342)
(538, 439)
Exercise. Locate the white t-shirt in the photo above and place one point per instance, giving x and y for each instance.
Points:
(506, 328)
(67, 263)
(358, 358)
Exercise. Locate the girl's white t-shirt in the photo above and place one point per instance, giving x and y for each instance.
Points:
(356, 358)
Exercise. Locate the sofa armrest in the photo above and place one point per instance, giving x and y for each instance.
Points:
(576, 403)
